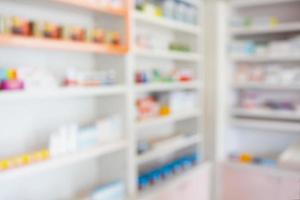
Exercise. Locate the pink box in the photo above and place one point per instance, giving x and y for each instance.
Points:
(12, 85)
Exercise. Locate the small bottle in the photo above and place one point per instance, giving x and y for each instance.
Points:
(168, 8)
(143, 182)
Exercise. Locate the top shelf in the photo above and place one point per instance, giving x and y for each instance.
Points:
(89, 5)
(255, 3)
(272, 171)
(167, 23)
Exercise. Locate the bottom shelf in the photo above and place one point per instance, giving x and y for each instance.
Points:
(158, 189)
(273, 171)
(63, 161)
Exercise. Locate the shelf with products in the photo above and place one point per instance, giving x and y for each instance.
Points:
(274, 50)
(50, 44)
(167, 146)
(28, 33)
(166, 168)
(263, 104)
(59, 162)
(167, 71)
(271, 23)
(264, 117)
(274, 76)
(166, 78)
(180, 11)
(165, 107)
(55, 43)
(271, 162)
(162, 45)
(167, 23)
(171, 182)
(34, 82)
(266, 163)
(72, 143)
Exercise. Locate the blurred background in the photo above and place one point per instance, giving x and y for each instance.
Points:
(149, 99)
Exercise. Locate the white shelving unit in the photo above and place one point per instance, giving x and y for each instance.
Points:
(257, 129)
(39, 112)
(28, 117)
(140, 58)
(285, 121)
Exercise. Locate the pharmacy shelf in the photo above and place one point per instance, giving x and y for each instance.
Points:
(283, 115)
(255, 3)
(159, 87)
(253, 124)
(153, 191)
(164, 54)
(272, 171)
(83, 13)
(167, 23)
(266, 125)
(61, 45)
(281, 28)
(263, 59)
(63, 161)
(168, 148)
(93, 6)
(63, 93)
(264, 86)
(168, 119)
(194, 58)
